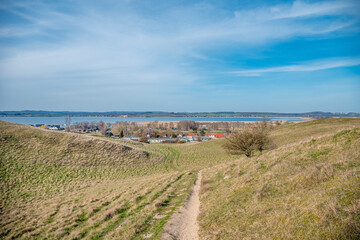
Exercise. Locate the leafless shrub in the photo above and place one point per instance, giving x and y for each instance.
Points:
(143, 139)
(250, 140)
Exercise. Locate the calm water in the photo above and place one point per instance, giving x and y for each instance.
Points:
(61, 120)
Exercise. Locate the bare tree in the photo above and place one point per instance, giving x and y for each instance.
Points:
(67, 123)
(154, 125)
(185, 125)
(84, 126)
(116, 129)
(93, 125)
(102, 127)
(76, 127)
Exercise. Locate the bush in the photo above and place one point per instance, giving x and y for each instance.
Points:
(143, 140)
(250, 140)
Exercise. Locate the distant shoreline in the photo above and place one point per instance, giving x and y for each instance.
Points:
(155, 117)
(134, 114)
(282, 119)
(145, 120)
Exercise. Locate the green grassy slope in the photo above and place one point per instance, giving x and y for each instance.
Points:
(309, 189)
(195, 156)
(287, 134)
(42, 146)
(60, 185)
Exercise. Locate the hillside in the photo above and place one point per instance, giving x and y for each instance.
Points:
(306, 189)
(31, 144)
(287, 134)
(62, 185)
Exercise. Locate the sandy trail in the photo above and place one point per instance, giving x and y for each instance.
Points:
(183, 225)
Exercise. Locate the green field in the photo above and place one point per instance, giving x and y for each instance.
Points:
(67, 186)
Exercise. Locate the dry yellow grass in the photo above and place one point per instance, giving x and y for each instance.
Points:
(303, 131)
(307, 190)
(60, 185)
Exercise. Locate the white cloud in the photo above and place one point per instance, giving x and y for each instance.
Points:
(300, 9)
(126, 45)
(304, 67)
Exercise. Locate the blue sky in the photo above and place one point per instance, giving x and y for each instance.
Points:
(279, 56)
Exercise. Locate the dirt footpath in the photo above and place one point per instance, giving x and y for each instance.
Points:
(183, 224)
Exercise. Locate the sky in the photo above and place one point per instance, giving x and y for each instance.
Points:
(180, 56)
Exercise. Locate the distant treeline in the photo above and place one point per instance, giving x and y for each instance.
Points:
(156, 128)
(31, 113)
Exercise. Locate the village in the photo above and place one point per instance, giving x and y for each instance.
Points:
(152, 132)
(152, 137)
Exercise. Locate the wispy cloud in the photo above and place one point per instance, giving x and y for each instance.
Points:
(123, 36)
(303, 67)
(159, 46)
(301, 9)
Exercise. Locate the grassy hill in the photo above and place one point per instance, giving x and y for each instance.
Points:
(287, 134)
(42, 146)
(61, 185)
(308, 188)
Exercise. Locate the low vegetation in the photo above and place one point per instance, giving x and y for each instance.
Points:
(308, 189)
(249, 141)
(70, 186)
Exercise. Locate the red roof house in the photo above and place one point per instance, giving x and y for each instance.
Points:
(215, 135)
(190, 135)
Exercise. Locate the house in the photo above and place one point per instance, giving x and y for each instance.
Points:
(184, 139)
(149, 134)
(170, 140)
(53, 127)
(196, 138)
(191, 135)
(204, 139)
(131, 138)
(155, 140)
(215, 135)
(162, 140)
